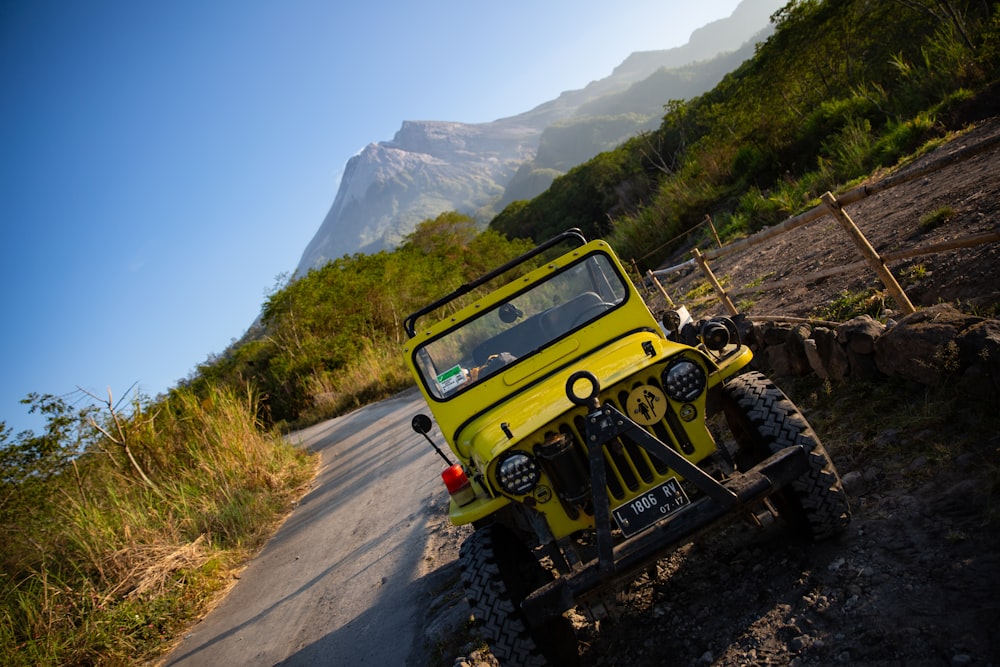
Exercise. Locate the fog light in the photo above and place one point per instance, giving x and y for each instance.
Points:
(517, 473)
(684, 380)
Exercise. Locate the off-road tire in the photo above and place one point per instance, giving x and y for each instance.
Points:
(765, 421)
(498, 572)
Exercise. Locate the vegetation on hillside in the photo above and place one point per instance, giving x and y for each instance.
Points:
(606, 121)
(120, 521)
(842, 88)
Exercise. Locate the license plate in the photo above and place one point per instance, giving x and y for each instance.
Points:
(642, 512)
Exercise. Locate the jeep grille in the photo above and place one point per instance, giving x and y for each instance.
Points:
(629, 467)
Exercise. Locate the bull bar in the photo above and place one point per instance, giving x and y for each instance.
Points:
(605, 423)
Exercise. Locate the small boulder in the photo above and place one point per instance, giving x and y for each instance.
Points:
(921, 347)
(979, 351)
(860, 333)
(831, 354)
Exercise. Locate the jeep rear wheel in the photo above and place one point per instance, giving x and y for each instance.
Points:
(765, 421)
(498, 572)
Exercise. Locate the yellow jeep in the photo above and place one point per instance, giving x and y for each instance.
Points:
(583, 432)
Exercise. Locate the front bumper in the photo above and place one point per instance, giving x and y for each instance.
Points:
(616, 563)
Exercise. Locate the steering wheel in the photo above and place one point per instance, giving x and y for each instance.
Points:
(591, 311)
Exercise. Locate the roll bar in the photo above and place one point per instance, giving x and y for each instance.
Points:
(410, 323)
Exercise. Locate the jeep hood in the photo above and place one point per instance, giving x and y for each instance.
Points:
(538, 392)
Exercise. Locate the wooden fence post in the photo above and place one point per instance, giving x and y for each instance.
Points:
(638, 274)
(723, 297)
(868, 252)
(670, 302)
(711, 224)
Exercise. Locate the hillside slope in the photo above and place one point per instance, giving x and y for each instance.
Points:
(968, 193)
(914, 582)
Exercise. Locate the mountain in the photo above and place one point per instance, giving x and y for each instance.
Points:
(431, 167)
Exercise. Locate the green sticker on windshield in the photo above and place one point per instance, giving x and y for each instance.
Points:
(451, 379)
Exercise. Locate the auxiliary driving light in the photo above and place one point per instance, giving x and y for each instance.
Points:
(517, 473)
(684, 380)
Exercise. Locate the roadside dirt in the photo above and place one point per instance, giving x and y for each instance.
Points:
(968, 192)
(916, 579)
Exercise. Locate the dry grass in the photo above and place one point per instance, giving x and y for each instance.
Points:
(114, 556)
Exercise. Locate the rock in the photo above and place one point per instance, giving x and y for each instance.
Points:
(832, 355)
(853, 483)
(774, 334)
(966, 460)
(859, 334)
(796, 346)
(783, 350)
(921, 347)
(975, 379)
(890, 436)
(815, 360)
(447, 622)
(862, 366)
(979, 349)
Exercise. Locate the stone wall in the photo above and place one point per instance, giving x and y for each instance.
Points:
(934, 346)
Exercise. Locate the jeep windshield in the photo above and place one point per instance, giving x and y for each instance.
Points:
(547, 311)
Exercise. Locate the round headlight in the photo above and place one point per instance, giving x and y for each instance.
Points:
(684, 380)
(517, 473)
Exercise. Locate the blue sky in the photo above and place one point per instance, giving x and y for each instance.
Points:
(161, 163)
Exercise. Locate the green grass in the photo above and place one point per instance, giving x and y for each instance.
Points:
(759, 280)
(704, 289)
(987, 311)
(911, 275)
(848, 305)
(109, 558)
(936, 218)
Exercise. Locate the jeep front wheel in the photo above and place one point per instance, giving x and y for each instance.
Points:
(765, 421)
(498, 573)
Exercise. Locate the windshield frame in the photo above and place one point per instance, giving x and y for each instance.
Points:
(449, 364)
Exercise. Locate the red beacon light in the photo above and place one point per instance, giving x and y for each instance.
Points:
(458, 485)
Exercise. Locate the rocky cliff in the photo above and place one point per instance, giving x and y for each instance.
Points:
(428, 168)
(431, 167)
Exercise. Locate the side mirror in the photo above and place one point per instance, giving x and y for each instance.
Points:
(421, 424)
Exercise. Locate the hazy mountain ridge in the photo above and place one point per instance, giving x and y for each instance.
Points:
(434, 166)
(606, 122)
(428, 167)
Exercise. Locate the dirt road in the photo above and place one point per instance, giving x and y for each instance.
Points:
(345, 580)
